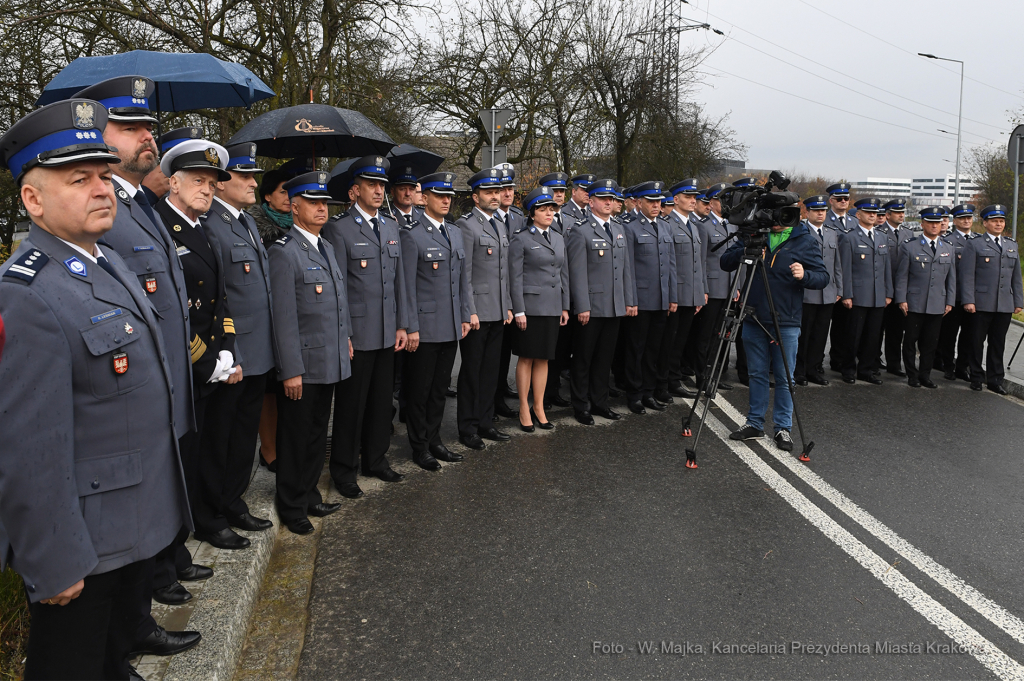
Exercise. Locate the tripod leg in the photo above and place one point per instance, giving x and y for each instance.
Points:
(1010, 363)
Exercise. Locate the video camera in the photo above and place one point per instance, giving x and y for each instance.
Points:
(756, 209)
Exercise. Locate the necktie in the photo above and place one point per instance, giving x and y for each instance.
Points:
(547, 236)
(105, 264)
(608, 231)
(247, 222)
(494, 226)
(408, 219)
(323, 251)
(508, 225)
(933, 247)
(444, 233)
(143, 201)
(999, 245)
(376, 230)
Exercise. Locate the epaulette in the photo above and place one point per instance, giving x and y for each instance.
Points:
(909, 239)
(467, 216)
(627, 217)
(514, 209)
(521, 229)
(123, 195)
(387, 214)
(27, 266)
(972, 235)
(283, 240)
(581, 222)
(407, 225)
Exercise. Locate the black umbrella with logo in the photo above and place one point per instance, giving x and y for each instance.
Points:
(314, 130)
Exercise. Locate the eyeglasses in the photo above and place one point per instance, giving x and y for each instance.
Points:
(841, 198)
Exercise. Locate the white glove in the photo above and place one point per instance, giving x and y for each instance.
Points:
(225, 362)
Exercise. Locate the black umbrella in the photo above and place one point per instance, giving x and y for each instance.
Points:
(313, 130)
(409, 160)
(341, 180)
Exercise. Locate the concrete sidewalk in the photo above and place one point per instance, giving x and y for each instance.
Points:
(1015, 374)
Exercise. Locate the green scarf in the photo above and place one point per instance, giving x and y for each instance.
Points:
(282, 220)
(776, 239)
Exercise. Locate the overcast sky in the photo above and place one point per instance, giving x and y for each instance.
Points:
(785, 132)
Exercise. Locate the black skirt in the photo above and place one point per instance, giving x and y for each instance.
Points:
(539, 340)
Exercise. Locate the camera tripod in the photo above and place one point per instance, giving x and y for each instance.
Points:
(734, 316)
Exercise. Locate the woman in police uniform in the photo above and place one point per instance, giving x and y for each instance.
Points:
(539, 284)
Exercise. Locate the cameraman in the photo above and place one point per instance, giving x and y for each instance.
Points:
(794, 263)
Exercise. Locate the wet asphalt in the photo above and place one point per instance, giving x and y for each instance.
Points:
(570, 553)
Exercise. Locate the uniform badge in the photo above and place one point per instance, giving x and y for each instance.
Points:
(120, 362)
(128, 329)
(600, 252)
(138, 88)
(435, 265)
(322, 178)
(358, 220)
(247, 268)
(362, 263)
(490, 251)
(122, 194)
(225, 217)
(862, 256)
(76, 266)
(150, 284)
(319, 289)
(177, 228)
(211, 156)
(85, 114)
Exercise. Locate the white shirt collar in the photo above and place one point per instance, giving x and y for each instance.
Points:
(867, 232)
(183, 216)
(366, 216)
(683, 216)
(578, 206)
(310, 237)
(818, 229)
(501, 214)
(128, 186)
(231, 209)
(83, 251)
(433, 223)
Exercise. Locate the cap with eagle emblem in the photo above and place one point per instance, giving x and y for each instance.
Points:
(438, 183)
(371, 168)
(125, 97)
(175, 137)
(309, 186)
(242, 158)
(196, 155)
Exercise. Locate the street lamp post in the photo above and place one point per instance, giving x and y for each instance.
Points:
(959, 123)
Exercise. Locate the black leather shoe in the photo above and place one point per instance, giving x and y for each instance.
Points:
(494, 434)
(426, 461)
(450, 393)
(502, 409)
(802, 382)
(272, 466)
(949, 375)
(928, 383)
(162, 642)
(584, 417)
(997, 389)
(873, 380)
(964, 376)
(527, 429)
(896, 372)
(614, 392)
(223, 539)
(652, 403)
(913, 383)
(663, 397)
(322, 509)
(388, 475)
(558, 401)
(172, 594)
(606, 413)
(194, 573)
(472, 441)
(349, 490)
(543, 425)
(682, 391)
(817, 380)
(976, 387)
(849, 380)
(250, 523)
(636, 407)
(442, 453)
(722, 385)
(300, 526)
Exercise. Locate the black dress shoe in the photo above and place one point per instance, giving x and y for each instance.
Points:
(558, 401)
(652, 403)
(527, 429)
(272, 466)
(849, 380)
(722, 385)
(896, 372)
(162, 642)
(636, 407)
(997, 389)
(172, 594)
(426, 461)
(913, 383)
(450, 393)
(300, 526)
(663, 397)
(223, 539)
(928, 383)
(682, 391)
(194, 573)
(388, 475)
(606, 413)
(494, 434)
(543, 425)
(502, 409)
(949, 375)
(584, 417)
(442, 453)
(322, 509)
(614, 392)
(873, 380)
(802, 382)
(976, 387)
(964, 376)
(817, 380)
(349, 490)
(472, 441)
(250, 523)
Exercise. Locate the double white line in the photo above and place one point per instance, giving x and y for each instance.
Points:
(968, 638)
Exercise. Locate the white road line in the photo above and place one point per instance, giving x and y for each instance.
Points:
(993, 612)
(994, 659)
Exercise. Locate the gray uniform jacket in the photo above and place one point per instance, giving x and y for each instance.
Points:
(514, 221)
(90, 478)
(538, 273)
(148, 251)
(925, 282)
(600, 270)
(867, 268)
(311, 312)
(247, 286)
(653, 255)
(896, 237)
(374, 278)
(829, 242)
(571, 212)
(713, 232)
(486, 266)
(842, 224)
(691, 285)
(991, 279)
(959, 242)
(436, 287)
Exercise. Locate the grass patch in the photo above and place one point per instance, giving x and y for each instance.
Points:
(14, 620)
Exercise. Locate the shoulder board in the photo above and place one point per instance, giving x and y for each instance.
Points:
(27, 266)
(628, 217)
(582, 222)
(343, 214)
(449, 223)
(829, 227)
(283, 240)
(122, 195)
(514, 209)
(467, 216)
(387, 214)
(972, 235)
(1010, 238)
(521, 229)
(909, 239)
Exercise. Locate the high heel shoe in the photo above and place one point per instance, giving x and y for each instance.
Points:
(527, 429)
(543, 425)
(271, 466)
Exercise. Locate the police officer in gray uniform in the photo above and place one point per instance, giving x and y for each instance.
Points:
(557, 182)
(818, 304)
(366, 244)
(991, 294)
(92, 486)
(925, 291)
(511, 219)
(311, 329)
(490, 310)
(575, 208)
(894, 321)
(954, 338)
(838, 218)
(236, 410)
(713, 231)
(601, 291)
(437, 297)
(867, 289)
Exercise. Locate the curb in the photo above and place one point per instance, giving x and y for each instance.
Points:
(1013, 385)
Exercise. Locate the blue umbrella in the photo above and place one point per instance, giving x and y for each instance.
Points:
(184, 82)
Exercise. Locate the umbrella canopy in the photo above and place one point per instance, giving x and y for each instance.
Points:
(313, 130)
(184, 82)
(341, 180)
(421, 161)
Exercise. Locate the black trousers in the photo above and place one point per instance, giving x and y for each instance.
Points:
(921, 333)
(643, 344)
(838, 339)
(673, 345)
(704, 339)
(864, 328)
(363, 410)
(592, 352)
(429, 375)
(302, 447)
(810, 355)
(895, 324)
(504, 361)
(954, 351)
(226, 450)
(991, 327)
(481, 352)
(561, 362)
(90, 637)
